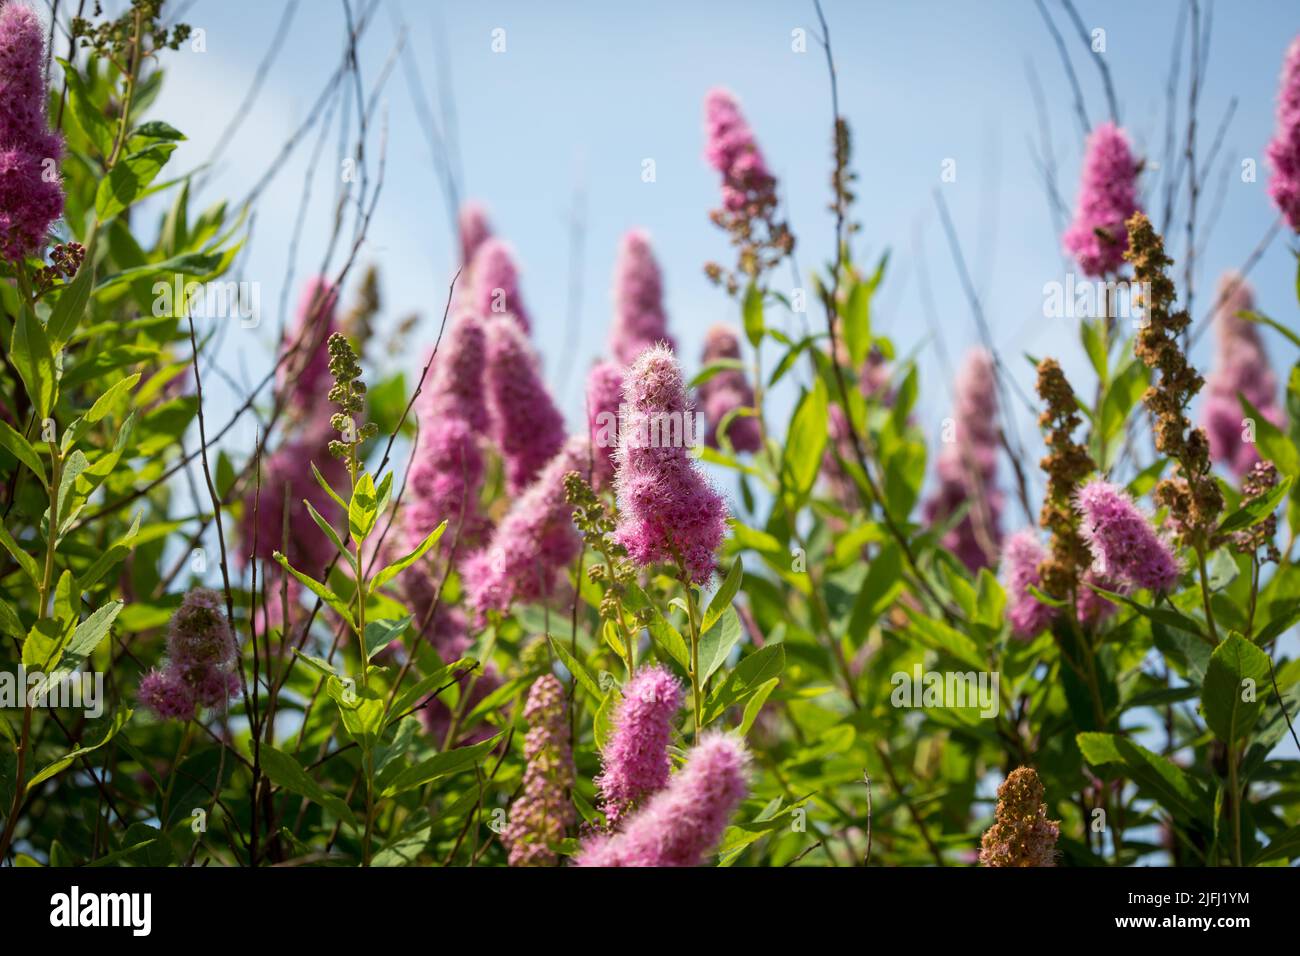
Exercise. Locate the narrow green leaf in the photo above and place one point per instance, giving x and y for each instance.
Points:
(404, 562)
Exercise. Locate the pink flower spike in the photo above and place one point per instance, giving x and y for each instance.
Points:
(1123, 542)
(30, 199)
(636, 761)
(1021, 556)
(539, 818)
(683, 823)
(534, 543)
(667, 510)
(639, 319)
(967, 466)
(526, 425)
(1240, 367)
(604, 396)
(726, 391)
(474, 228)
(1097, 238)
(496, 283)
(1284, 150)
(304, 376)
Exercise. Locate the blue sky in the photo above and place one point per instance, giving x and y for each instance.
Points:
(584, 92)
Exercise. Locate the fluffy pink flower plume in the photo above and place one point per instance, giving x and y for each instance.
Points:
(1107, 198)
(604, 396)
(1240, 366)
(1021, 556)
(726, 391)
(28, 203)
(636, 762)
(474, 228)
(526, 425)
(263, 517)
(967, 466)
(682, 823)
(447, 471)
(732, 150)
(304, 377)
(533, 544)
(667, 510)
(1125, 546)
(1284, 150)
(495, 279)
(639, 319)
(201, 660)
(539, 818)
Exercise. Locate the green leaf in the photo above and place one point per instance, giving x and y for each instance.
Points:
(726, 593)
(1284, 846)
(108, 559)
(1273, 444)
(755, 704)
(19, 554)
(405, 850)
(602, 725)
(119, 721)
(320, 480)
(320, 590)
(284, 771)
(85, 638)
(1162, 615)
(745, 678)
(157, 129)
(31, 354)
(752, 310)
(668, 639)
(129, 178)
(439, 765)
(716, 643)
(22, 449)
(88, 114)
(362, 710)
(1092, 333)
(71, 306)
(404, 562)
(575, 668)
(857, 323)
(326, 527)
(1158, 777)
(379, 634)
(1237, 670)
(714, 368)
(1258, 510)
(1273, 324)
(940, 637)
(806, 440)
(105, 402)
(363, 509)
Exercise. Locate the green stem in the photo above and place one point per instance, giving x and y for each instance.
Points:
(1236, 804)
(1205, 594)
(695, 649)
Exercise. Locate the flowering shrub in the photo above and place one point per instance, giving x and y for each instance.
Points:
(439, 623)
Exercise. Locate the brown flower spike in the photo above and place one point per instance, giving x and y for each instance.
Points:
(1067, 463)
(1191, 495)
(1021, 834)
